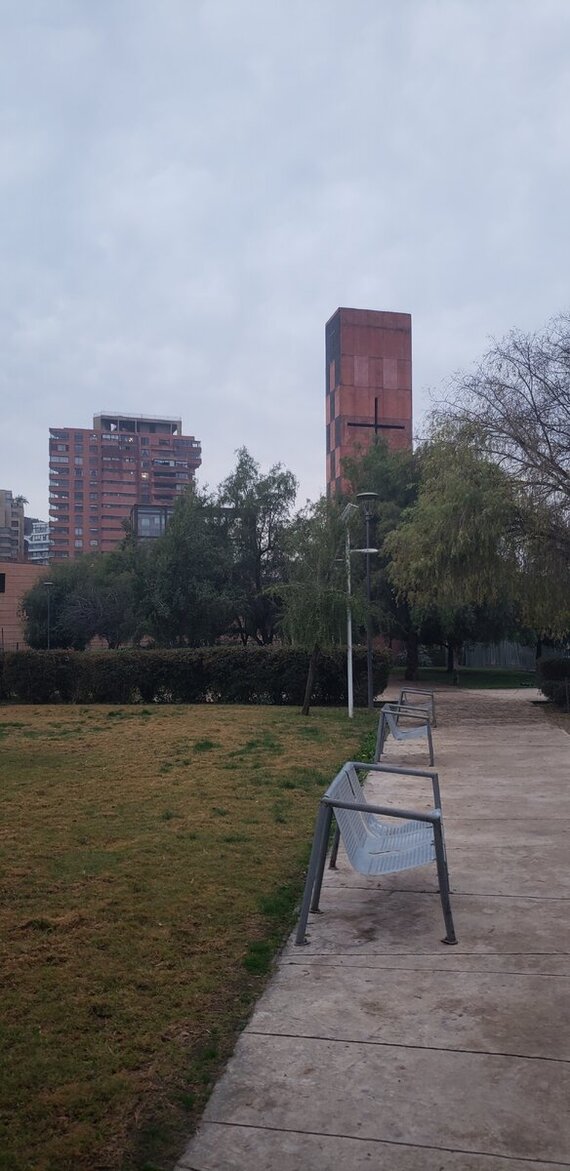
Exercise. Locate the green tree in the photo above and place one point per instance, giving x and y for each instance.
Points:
(394, 476)
(516, 407)
(257, 511)
(92, 596)
(477, 537)
(452, 626)
(188, 596)
(70, 579)
(314, 597)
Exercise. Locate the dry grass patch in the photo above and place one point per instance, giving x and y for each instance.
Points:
(140, 908)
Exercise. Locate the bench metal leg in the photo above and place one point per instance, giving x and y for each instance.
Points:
(380, 738)
(321, 863)
(443, 877)
(334, 851)
(430, 742)
(316, 865)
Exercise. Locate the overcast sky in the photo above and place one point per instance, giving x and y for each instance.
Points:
(189, 189)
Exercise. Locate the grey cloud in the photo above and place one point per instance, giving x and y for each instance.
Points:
(188, 190)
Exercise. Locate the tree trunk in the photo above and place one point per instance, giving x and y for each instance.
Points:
(538, 652)
(412, 661)
(310, 680)
(450, 658)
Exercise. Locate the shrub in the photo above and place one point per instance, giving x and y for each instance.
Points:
(225, 674)
(554, 679)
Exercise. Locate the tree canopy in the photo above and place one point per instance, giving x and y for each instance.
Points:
(491, 524)
(257, 513)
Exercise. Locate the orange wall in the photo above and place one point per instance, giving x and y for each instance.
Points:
(19, 577)
(369, 385)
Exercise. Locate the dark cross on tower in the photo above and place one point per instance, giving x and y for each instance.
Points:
(376, 426)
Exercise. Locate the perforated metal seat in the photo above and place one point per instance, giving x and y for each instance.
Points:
(374, 846)
(392, 721)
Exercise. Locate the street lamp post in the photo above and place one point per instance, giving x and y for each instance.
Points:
(346, 515)
(366, 499)
(48, 585)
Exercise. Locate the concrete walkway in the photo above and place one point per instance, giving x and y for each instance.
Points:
(377, 1047)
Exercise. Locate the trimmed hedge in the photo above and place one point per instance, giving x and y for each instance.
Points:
(554, 679)
(212, 675)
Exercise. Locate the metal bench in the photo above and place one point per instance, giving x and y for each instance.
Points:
(375, 847)
(426, 700)
(392, 720)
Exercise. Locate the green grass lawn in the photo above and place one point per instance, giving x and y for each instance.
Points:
(479, 677)
(150, 860)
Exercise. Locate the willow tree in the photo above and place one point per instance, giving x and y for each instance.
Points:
(394, 477)
(314, 596)
(478, 535)
(516, 406)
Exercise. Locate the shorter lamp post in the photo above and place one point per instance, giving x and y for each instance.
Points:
(48, 585)
(367, 499)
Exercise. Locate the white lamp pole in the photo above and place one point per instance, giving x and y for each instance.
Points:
(367, 500)
(349, 511)
(349, 631)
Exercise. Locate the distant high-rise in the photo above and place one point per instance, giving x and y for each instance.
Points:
(36, 540)
(368, 385)
(99, 474)
(11, 526)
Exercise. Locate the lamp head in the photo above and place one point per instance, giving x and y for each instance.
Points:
(348, 512)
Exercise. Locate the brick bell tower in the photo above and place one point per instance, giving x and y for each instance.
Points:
(368, 385)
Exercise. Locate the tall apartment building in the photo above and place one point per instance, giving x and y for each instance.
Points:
(98, 475)
(368, 384)
(11, 526)
(36, 540)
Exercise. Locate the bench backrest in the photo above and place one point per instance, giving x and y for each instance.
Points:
(426, 698)
(352, 825)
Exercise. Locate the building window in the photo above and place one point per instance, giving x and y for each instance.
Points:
(78, 544)
(78, 459)
(2, 583)
(79, 532)
(93, 543)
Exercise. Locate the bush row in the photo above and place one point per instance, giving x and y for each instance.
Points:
(554, 679)
(212, 675)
